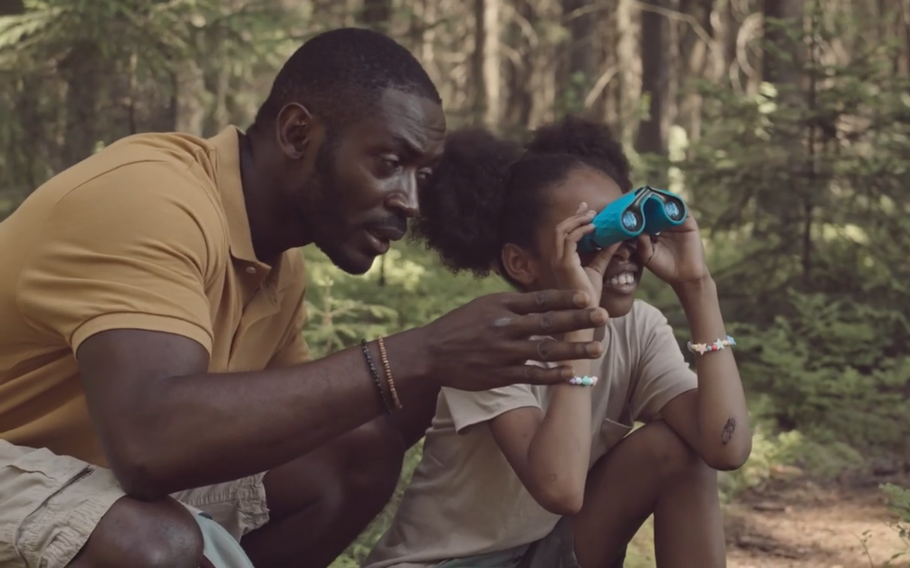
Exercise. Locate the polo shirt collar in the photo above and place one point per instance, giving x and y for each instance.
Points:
(228, 180)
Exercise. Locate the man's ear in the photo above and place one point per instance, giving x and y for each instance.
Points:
(295, 130)
(519, 264)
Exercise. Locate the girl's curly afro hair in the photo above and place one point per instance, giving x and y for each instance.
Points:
(487, 191)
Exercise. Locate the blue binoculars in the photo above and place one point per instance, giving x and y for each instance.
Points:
(644, 210)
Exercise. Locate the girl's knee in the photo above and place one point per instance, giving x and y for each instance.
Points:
(668, 453)
(375, 456)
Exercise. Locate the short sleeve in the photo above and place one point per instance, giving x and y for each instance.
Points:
(663, 373)
(129, 249)
(293, 349)
(469, 408)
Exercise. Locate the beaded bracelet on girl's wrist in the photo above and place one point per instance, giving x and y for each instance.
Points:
(702, 348)
(584, 381)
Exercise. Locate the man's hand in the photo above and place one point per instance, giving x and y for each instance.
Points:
(486, 343)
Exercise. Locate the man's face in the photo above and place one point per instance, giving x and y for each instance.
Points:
(364, 183)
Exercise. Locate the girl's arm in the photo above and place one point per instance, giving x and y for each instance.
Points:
(550, 452)
(712, 419)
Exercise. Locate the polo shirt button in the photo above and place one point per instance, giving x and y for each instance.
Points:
(251, 270)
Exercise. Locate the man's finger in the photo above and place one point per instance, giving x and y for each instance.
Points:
(555, 322)
(537, 375)
(544, 301)
(547, 350)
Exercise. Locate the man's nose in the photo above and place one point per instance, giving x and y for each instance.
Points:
(404, 198)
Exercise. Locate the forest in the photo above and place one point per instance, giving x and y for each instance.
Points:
(784, 123)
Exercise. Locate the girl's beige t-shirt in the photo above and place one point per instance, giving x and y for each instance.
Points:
(466, 500)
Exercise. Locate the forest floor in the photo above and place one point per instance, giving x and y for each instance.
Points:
(800, 522)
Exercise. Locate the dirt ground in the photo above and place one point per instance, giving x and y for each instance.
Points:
(801, 523)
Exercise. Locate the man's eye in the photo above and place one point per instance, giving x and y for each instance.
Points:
(424, 175)
(391, 162)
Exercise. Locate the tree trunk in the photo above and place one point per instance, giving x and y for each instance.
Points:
(628, 89)
(579, 62)
(780, 64)
(189, 86)
(519, 67)
(81, 70)
(477, 82)
(11, 7)
(655, 79)
(492, 63)
(376, 14)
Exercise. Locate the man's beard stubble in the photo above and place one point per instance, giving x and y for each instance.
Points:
(323, 208)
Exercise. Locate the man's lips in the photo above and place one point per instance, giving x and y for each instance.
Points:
(386, 233)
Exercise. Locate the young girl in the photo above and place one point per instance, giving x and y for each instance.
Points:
(550, 477)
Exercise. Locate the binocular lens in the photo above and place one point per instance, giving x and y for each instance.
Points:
(631, 221)
(673, 210)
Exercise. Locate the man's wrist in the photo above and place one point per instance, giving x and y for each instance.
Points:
(410, 355)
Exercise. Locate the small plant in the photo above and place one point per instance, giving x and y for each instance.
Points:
(899, 504)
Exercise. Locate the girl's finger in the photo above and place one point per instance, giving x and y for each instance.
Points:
(573, 222)
(567, 227)
(570, 244)
(575, 235)
(645, 248)
(602, 259)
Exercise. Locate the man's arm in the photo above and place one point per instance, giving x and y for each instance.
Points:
(120, 275)
(166, 425)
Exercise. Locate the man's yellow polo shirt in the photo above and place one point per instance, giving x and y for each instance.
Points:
(150, 233)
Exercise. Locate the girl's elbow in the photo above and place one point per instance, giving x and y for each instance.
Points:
(732, 457)
(563, 499)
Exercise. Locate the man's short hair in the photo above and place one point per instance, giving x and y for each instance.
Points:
(341, 74)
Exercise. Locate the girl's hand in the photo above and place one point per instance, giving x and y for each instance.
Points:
(567, 267)
(677, 255)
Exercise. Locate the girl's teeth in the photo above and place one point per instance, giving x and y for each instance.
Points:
(623, 279)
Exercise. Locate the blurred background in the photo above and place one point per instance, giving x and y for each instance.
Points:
(785, 123)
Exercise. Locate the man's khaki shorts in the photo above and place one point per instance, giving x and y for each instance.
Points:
(50, 504)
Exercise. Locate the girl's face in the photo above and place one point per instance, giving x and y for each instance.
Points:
(621, 279)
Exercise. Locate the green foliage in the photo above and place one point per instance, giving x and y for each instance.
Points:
(798, 189)
(405, 289)
(831, 367)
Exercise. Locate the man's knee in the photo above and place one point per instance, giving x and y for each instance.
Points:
(144, 535)
(669, 454)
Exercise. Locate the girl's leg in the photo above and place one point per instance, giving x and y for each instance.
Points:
(651, 471)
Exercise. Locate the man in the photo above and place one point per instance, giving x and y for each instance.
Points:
(151, 364)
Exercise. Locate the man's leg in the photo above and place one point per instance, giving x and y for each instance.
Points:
(60, 511)
(315, 505)
(134, 533)
(651, 471)
(319, 503)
